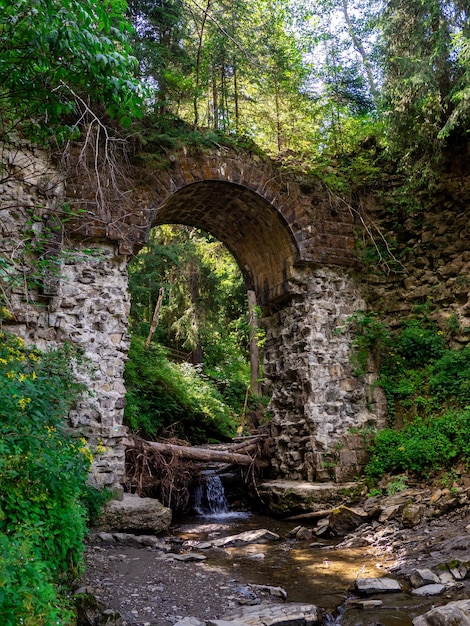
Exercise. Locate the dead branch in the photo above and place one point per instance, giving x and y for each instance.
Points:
(373, 231)
(200, 454)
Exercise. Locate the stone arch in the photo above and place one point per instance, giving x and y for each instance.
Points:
(254, 232)
(295, 247)
(247, 202)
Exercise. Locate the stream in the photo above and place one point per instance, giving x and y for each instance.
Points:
(309, 571)
(152, 586)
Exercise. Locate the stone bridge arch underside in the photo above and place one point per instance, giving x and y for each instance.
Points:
(296, 251)
(295, 248)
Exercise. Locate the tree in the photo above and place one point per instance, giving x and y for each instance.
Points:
(425, 70)
(52, 51)
(163, 63)
(206, 296)
(203, 319)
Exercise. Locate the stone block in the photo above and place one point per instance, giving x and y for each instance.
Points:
(133, 513)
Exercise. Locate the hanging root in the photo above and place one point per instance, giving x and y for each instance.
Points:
(152, 474)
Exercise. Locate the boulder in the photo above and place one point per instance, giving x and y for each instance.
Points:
(365, 604)
(429, 590)
(130, 539)
(343, 520)
(370, 586)
(390, 512)
(187, 557)
(421, 577)
(249, 536)
(290, 497)
(133, 513)
(92, 612)
(300, 533)
(412, 515)
(458, 570)
(451, 614)
(278, 592)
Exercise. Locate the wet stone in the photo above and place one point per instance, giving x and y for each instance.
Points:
(429, 590)
(370, 586)
(451, 614)
(422, 577)
(250, 536)
(293, 614)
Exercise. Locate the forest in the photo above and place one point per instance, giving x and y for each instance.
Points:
(351, 92)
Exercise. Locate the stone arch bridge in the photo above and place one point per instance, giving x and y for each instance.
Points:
(294, 244)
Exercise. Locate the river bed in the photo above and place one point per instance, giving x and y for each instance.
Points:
(320, 574)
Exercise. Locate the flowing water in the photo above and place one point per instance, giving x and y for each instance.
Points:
(316, 572)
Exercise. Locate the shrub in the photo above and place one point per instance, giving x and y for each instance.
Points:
(450, 376)
(419, 343)
(422, 446)
(43, 471)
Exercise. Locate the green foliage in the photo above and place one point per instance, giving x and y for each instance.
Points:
(54, 53)
(372, 339)
(422, 446)
(450, 377)
(43, 471)
(27, 595)
(93, 499)
(399, 483)
(427, 386)
(204, 311)
(419, 343)
(426, 82)
(173, 397)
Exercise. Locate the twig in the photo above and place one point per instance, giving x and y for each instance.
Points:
(369, 232)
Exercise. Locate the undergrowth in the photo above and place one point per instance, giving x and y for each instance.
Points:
(165, 397)
(43, 492)
(427, 387)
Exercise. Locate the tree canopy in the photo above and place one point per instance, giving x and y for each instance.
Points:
(56, 54)
(315, 78)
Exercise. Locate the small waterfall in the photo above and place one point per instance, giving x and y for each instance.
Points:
(209, 496)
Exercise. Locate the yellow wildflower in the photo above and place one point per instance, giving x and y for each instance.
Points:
(10, 374)
(100, 447)
(23, 402)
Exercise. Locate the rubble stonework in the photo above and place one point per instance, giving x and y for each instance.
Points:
(316, 399)
(89, 305)
(295, 248)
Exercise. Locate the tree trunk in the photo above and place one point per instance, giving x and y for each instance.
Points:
(197, 354)
(156, 314)
(198, 65)
(200, 454)
(255, 385)
(215, 101)
(360, 48)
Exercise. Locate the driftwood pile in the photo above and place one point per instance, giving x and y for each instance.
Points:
(165, 469)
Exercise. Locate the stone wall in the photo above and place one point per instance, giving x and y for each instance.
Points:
(317, 404)
(316, 399)
(433, 246)
(82, 297)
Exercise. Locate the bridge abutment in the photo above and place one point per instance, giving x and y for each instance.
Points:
(317, 401)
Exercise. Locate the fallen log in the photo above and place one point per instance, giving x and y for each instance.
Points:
(200, 454)
(312, 515)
